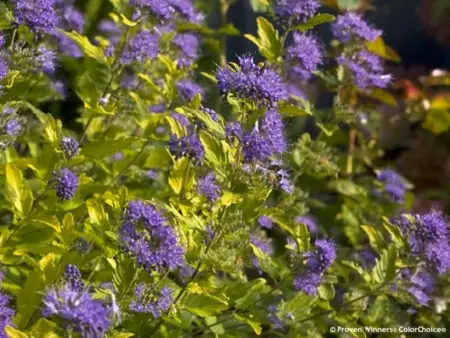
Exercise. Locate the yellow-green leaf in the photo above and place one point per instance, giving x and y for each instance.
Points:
(86, 46)
(379, 47)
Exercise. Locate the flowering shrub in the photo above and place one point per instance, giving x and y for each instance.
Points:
(189, 203)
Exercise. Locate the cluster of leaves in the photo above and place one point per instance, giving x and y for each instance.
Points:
(166, 218)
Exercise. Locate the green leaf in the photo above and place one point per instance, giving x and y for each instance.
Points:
(14, 186)
(314, 21)
(86, 46)
(349, 4)
(253, 292)
(292, 111)
(255, 325)
(182, 176)
(29, 300)
(97, 214)
(299, 306)
(100, 149)
(376, 238)
(382, 96)
(437, 121)
(347, 188)
(46, 220)
(14, 333)
(204, 305)
(379, 47)
(395, 233)
(44, 328)
(122, 335)
(384, 270)
(259, 6)
(6, 17)
(268, 41)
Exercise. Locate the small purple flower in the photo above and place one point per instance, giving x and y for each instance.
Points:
(291, 11)
(303, 56)
(65, 184)
(264, 244)
(422, 285)
(12, 127)
(143, 46)
(81, 245)
(211, 112)
(262, 85)
(180, 118)
(39, 15)
(352, 26)
(146, 300)
(2, 40)
(6, 313)
(152, 174)
(70, 146)
(188, 45)
(309, 221)
(72, 277)
(47, 60)
(322, 257)
(3, 69)
(159, 8)
(188, 146)
(265, 222)
(187, 89)
(145, 237)
(186, 9)
(367, 70)
(207, 187)
(307, 283)
(233, 130)
(78, 311)
(273, 128)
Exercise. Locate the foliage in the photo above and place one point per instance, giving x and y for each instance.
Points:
(164, 217)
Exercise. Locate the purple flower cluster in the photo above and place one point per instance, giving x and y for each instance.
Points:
(70, 146)
(39, 15)
(3, 69)
(367, 69)
(6, 313)
(188, 146)
(317, 262)
(394, 185)
(187, 90)
(428, 238)
(188, 45)
(165, 9)
(148, 301)
(72, 277)
(65, 183)
(207, 187)
(145, 236)
(261, 85)
(265, 141)
(422, 285)
(351, 25)
(47, 60)
(78, 311)
(12, 127)
(303, 56)
(143, 46)
(292, 11)
(265, 222)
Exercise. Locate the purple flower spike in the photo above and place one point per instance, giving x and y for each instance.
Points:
(207, 187)
(352, 26)
(66, 184)
(39, 15)
(295, 10)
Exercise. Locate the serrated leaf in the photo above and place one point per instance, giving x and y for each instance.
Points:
(44, 328)
(204, 305)
(376, 238)
(268, 40)
(253, 292)
(86, 46)
(46, 220)
(293, 111)
(182, 176)
(14, 186)
(384, 270)
(383, 96)
(253, 323)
